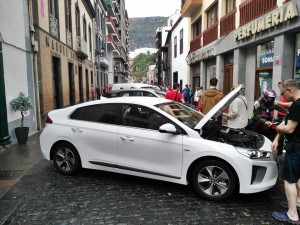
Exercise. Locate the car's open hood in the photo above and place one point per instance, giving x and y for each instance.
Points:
(225, 102)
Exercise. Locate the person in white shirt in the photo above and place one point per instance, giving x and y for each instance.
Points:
(197, 95)
(237, 116)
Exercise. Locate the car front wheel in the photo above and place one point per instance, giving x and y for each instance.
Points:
(66, 159)
(214, 180)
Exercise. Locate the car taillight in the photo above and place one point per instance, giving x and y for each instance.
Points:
(48, 120)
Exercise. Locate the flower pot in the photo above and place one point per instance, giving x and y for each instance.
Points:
(22, 134)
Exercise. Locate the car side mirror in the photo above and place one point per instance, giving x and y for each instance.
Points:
(167, 128)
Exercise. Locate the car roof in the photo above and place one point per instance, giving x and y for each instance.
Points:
(132, 89)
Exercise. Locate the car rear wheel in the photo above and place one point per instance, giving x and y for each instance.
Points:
(66, 159)
(214, 180)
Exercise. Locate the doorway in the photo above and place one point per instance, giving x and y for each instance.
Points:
(71, 85)
(87, 85)
(80, 83)
(57, 89)
(228, 78)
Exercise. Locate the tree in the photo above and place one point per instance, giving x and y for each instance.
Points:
(141, 64)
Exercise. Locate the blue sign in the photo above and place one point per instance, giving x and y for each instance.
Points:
(298, 58)
(267, 60)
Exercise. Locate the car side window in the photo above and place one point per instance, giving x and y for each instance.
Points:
(148, 94)
(125, 94)
(101, 113)
(142, 117)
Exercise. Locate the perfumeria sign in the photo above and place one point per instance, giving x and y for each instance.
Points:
(286, 12)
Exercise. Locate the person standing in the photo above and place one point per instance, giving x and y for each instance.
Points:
(93, 92)
(237, 116)
(290, 129)
(210, 97)
(174, 94)
(281, 116)
(98, 92)
(197, 95)
(186, 93)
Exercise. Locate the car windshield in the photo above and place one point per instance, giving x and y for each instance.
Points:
(181, 112)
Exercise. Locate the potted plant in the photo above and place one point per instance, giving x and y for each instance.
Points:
(22, 104)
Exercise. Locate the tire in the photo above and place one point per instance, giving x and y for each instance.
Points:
(66, 159)
(214, 180)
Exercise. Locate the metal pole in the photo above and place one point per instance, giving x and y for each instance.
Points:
(4, 137)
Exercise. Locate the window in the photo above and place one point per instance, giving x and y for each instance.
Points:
(230, 5)
(181, 41)
(212, 15)
(142, 117)
(196, 28)
(84, 30)
(68, 15)
(90, 38)
(175, 47)
(77, 18)
(103, 113)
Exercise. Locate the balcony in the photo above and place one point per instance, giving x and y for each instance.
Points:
(111, 44)
(189, 7)
(227, 23)
(195, 44)
(211, 34)
(116, 5)
(110, 25)
(81, 48)
(110, 8)
(252, 9)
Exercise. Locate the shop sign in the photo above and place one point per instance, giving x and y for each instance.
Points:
(267, 60)
(201, 55)
(284, 13)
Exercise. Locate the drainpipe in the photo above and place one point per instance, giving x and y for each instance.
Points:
(4, 137)
(34, 45)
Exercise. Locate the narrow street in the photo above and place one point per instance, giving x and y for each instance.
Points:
(43, 196)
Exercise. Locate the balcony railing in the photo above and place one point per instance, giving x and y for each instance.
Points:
(211, 34)
(195, 44)
(111, 44)
(81, 48)
(53, 26)
(69, 38)
(111, 25)
(252, 9)
(227, 23)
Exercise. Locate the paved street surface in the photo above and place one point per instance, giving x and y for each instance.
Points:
(43, 196)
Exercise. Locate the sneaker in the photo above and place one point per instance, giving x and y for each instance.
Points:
(283, 217)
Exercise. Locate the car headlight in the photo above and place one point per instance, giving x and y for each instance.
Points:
(254, 153)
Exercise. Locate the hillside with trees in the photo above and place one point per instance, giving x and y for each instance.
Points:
(140, 65)
(142, 31)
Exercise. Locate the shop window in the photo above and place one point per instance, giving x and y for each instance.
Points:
(210, 70)
(297, 59)
(264, 72)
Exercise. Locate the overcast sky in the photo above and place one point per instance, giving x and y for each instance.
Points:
(147, 8)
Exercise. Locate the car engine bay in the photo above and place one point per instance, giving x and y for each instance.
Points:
(215, 131)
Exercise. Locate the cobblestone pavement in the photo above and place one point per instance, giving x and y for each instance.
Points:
(43, 196)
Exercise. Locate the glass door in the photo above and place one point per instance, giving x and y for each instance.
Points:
(228, 78)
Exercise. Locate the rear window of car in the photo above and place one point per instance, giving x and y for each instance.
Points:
(101, 113)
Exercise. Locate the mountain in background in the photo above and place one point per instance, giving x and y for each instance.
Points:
(142, 31)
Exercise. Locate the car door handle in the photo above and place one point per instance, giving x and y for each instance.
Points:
(76, 129)
(126, 138)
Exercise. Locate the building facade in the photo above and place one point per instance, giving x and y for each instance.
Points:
(16, 67)
(253, 42)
